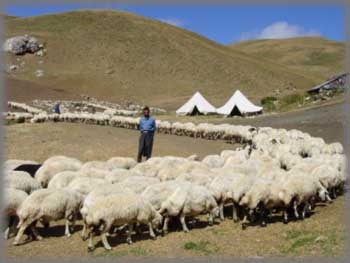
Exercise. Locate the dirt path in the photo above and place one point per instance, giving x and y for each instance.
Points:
(92, 142)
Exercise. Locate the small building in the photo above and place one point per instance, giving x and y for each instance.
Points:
(331, 84)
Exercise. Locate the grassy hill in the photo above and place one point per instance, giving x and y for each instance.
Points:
(121, 56)
(319, 57)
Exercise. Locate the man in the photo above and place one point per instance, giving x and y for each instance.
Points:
(147, 127)
(57, 108)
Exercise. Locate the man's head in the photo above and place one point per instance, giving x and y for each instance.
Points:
(146, 111)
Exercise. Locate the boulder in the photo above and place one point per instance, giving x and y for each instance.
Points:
(20, 45)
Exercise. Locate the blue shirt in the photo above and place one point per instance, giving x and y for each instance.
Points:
(147, 124)
(57, 108)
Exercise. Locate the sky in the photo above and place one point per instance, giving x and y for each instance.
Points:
(226, 23)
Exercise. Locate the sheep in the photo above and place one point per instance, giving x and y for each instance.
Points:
(118, 175)
(55, 165)
(120, 209)
(13, 199)
(85, 185)
(214, 161)
(138, 183)
(255, 197)
(97, 194)
(197, 176)
(189, 200)
(220, 188)
(122, 162)
(63, 179)
(21, 181)
(48, 205)
(101, 165)
(93, 172)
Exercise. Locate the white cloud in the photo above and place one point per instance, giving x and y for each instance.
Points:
(173, 21)
(279, 30)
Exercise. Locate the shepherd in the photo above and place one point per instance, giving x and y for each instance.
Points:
(147, 127)
(56, 108)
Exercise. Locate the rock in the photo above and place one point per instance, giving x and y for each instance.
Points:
(39, 73)
(20, 45)
(32, 45)
(109, 71)
(40, 53)
(13, 67)
(321, 239)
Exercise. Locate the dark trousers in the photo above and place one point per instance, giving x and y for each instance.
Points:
(145, 145)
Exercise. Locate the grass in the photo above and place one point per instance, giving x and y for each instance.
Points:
(269, 103)
(316, 56)
(202, 246)
(116, 252)
(300, 241)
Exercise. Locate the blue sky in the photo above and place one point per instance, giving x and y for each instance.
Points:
(226, 23)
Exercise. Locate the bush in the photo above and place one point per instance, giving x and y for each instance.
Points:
(293, 99)
(268, 100)
(269, 103)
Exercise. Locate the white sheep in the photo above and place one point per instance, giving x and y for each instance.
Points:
(22, 181)
(122, 162)
(13, 199)
(85, 185)
(48, 204)
(63, 179)
(118, 210)
(55, 165)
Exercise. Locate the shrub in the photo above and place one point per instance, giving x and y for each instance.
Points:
(269, 103)
(293, 99)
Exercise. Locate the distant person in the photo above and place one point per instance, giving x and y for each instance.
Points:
(57, 108)
(147, 127)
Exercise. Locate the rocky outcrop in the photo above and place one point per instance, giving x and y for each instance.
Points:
(20, 45)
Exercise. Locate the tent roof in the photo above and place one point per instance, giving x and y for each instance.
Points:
(197, 100)
(241, 102)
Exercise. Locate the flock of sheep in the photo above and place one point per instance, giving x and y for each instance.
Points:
(234, 133)
(278, 171)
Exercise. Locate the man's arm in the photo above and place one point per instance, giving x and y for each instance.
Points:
(154, 125)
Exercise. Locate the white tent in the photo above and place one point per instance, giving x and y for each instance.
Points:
(239, 104)
(196, 104)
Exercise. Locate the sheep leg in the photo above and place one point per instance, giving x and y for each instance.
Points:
(328, 198)
(84, 231)
(7, 233)
(91, 244)
(334, 194)
(245, 220)
(264, 214)
(285, 216)
(35, 232)
(67, 232)
(234, 212)
(105, 241)
(183, 223)
(295, 207)
(129, 232)
(19, 235)
(151, 232)
(221, 207)
(166, 224)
